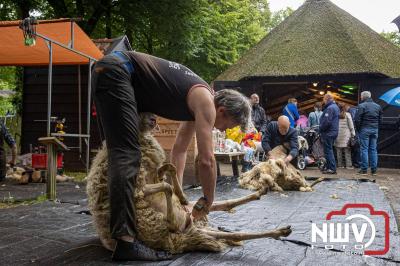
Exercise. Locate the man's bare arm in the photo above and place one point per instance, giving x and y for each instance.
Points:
(178, 153)
(201, 103)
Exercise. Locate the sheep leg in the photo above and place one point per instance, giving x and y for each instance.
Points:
(317, 181)
(170, 170)
(150, 189)
(276, 234)
(226, 205)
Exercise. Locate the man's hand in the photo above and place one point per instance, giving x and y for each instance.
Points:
(288, 159)
(200, 209)
(270, 156)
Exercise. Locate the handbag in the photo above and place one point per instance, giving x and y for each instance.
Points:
(353, 141)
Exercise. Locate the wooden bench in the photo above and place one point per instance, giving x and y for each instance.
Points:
(53, 145)
(231, 157)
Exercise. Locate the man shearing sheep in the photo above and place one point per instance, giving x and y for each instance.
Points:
(126, 83)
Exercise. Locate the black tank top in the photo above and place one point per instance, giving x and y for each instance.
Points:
(161, 86)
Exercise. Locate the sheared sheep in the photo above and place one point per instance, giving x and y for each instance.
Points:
(163, 222)
(275, 175)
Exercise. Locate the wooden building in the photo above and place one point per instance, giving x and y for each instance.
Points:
(69, 99)
(321, 48)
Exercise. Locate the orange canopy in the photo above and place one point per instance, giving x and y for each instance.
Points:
(13, 51)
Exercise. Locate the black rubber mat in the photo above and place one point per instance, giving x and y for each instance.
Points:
(62, 233)
(66, 192)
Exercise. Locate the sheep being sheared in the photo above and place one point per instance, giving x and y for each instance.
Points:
(275, 175)
(163, 222)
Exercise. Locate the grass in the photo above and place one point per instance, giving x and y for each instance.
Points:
(78, 176)
(10, 202)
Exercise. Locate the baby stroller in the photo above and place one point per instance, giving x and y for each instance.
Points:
(311, 151)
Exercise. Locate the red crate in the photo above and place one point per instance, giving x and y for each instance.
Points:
(39, 160)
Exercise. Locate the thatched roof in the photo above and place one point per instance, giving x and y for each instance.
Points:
(319, 38)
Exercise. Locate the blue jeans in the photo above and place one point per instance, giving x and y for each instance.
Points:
(368, 141)
(328, 151)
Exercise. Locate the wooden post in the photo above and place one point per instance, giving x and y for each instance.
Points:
(53, 144)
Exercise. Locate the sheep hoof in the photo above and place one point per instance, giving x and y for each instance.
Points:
(283, 232)
(231, 211)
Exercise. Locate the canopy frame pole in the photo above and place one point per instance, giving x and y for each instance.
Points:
(80, 111)
(92, 60)
(49, 85)
(65, 46)
(89, 101)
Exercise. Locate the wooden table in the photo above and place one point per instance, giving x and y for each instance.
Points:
(232, 157)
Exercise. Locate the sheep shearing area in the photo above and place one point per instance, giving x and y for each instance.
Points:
(74, 229)
(63, 233)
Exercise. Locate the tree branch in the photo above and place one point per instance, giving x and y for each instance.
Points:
(60, 8)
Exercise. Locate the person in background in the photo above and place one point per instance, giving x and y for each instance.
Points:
(314, 117)
(346, 131)
(258, 116)
(251, 144)
(5, 136)
(302, 122)
(355, 149)
(367, 119)
(280, 133)
(352, 110)
(290, 110)
(329, 128)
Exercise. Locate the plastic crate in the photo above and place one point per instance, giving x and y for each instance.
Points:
(39, 160)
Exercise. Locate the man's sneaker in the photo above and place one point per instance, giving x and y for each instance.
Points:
(137, 251)
(373, 172)
(362, 172)
(329, 172)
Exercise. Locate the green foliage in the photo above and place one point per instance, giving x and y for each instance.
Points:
(225, 30)
(7, 78)
(8, 81)
(11, 79)
(393, 36)
(5, 105)
(206, 35)
(278, 17)
(8, 10)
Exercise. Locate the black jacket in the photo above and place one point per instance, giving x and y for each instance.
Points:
(368, 115)
(258, 117)
(272, 138)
